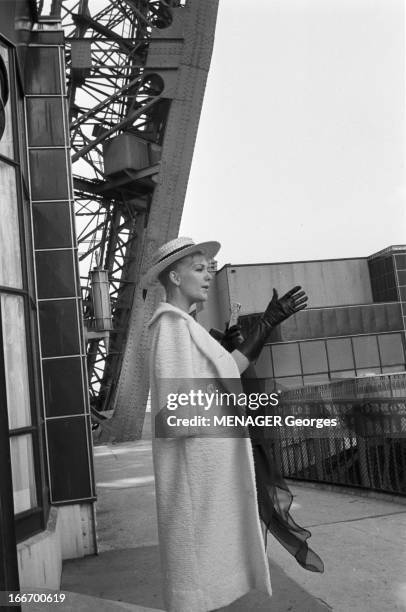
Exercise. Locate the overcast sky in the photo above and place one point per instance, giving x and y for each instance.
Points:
(301, 146)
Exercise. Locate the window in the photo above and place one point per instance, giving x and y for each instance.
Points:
(15, 361)
(342, 374)
(314, 358)
(400, 262)
(19, 357)
(316, 379)
(290, 382)
(393, 369)
(340, 354)
(286, 359)
(391, 349)
(368, 371)
(10, 256)
(22, 464)
(366, 351)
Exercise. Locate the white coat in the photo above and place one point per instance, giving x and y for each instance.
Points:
(211, 545)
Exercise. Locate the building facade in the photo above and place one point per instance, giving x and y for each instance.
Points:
(354, 324)
(46, 473)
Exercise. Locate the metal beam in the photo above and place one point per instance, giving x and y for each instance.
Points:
(130, 119)
(130, 396)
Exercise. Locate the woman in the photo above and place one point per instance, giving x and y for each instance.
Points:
(210, 537)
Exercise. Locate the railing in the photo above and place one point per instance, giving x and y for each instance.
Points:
(366, 449)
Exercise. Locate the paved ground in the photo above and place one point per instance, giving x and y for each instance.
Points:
(361, 540)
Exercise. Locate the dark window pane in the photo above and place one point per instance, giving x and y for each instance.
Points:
(55, 274)
(402, 291)
(290, 382)
(42, 71)
(63, 386)
(44, 118)
(286, 359)
(52, 225)
(59, 328)
(392, 295)
(400, 261)
(402, 277)
(340, 354)
(391, 349)
(69, 459)
(314, 358)
(388, 263)
(49, 174)
(366, 351)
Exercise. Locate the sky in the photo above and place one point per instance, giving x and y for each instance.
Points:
(300, 152)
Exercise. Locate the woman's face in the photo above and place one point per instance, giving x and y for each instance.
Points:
(193, 277)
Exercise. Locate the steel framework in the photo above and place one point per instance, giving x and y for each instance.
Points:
(136, 72)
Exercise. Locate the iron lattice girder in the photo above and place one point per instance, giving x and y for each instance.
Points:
(130, 395)
(125, 89)
(113, 98)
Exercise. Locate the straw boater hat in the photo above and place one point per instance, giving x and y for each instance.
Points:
(174, 250)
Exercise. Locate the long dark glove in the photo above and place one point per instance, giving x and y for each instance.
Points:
(230, 339)
(273, 495)
(278, 310)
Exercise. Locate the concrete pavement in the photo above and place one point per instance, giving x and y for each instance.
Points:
(361, 540)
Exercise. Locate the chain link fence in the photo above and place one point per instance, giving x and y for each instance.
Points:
(366, 449)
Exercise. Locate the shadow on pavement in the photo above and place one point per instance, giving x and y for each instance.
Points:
(132, 575)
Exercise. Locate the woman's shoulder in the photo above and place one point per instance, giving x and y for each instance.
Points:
(166, 312)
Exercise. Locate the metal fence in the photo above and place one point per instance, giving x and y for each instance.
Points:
(367, 448)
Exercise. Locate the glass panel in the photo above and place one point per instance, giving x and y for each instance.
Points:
(393, 368)
(400, 261)
(6, 141)
(63, 386)
(342, 374)
(365, 351)
(290, 382)
(340, 354)
(365, 372)
(391, 349)
(402, 292)
(10, 250)
(15, 361)
(22, 464)
(45, 127)
(286, 359)
(69, 459)
(316, 379)
(42, 71)
(59, 328)
(402, 277)
(49, 174)
(314, 358)
(52, 225)
(55, 277)
(263, 365)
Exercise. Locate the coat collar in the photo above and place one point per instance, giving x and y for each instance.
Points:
(166, 307)
(216, 353)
